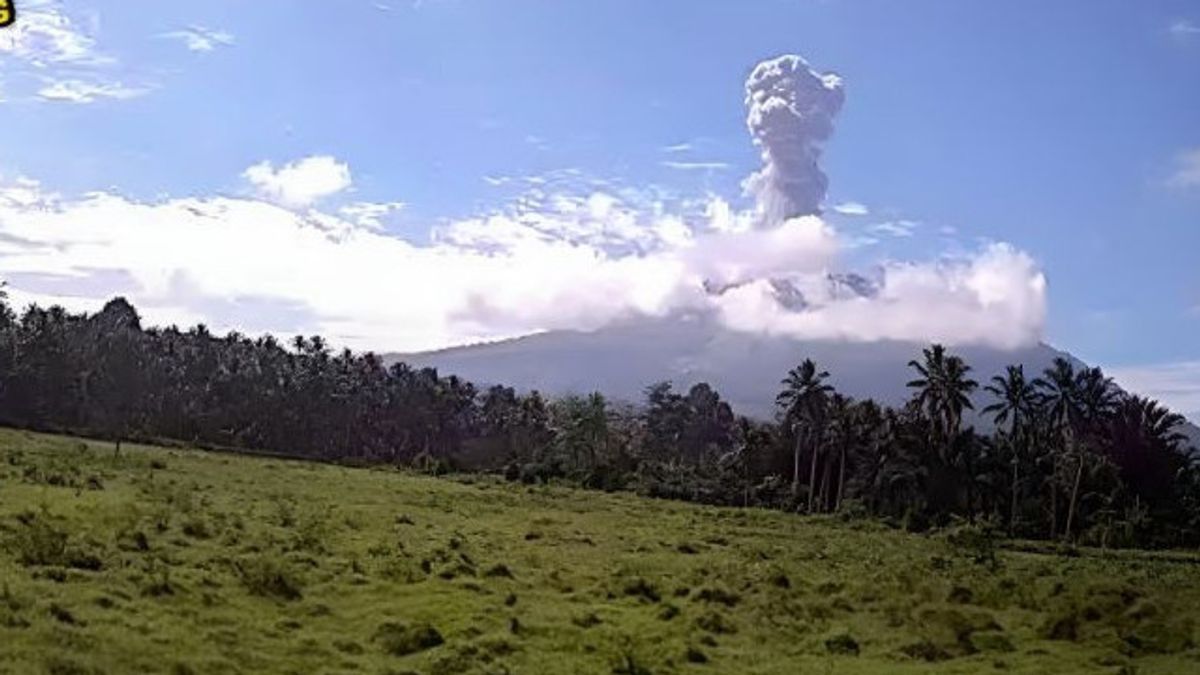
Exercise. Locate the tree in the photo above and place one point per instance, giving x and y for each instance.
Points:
(666, 421)
(1016, 403)
(942, 392)
(801, 404)
(1059, 390)
(114, 387)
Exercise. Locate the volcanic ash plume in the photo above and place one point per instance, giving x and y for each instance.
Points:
(790, 114)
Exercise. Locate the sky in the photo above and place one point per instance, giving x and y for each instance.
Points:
(406, 175)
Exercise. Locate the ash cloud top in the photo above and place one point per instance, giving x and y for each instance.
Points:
(790, 113)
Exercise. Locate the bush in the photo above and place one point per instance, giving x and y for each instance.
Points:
(271, 577)
(715, 622)
(977, 540)
(38, 541)
(400, 639)
(643, 589)
(718, 595)
(843, 644)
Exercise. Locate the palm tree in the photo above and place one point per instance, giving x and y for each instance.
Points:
(1016, 403)
(943, 391)
(930, 370)
(1059, 390)
(801, 404)
(1145, 444)
(841, 436)
(956, 393)
(1097, 399)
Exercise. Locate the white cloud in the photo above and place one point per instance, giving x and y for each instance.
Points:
(851, 209)
(201, 39)
(369, 214)
(299, 183)
(51, 58)
(1184, 28)
(696, 166)
(1175, 385)
(895, 228)
(80, 91)
(44, 35)
(577, 261)
(1187, 170)
(995, 296)
(678, 147)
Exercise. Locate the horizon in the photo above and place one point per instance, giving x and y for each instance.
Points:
(502, 176)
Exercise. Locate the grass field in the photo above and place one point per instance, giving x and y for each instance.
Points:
(189, 562)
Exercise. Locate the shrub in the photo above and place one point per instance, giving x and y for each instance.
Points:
(976, 540)
(643, 589)
(843, 644)
(400, 639)
(586, 620)
(627, 663)
(38, 541)
(718, 595)
(269, 576)
(197, 527)
(715, 622)
(498, 570)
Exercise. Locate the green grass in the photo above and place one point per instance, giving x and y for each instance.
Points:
(177, 561)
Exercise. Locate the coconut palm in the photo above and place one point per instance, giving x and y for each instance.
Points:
(1016, 403)
(1059, 390)
(930, 370)
(956, 393)
(942, 392)
(801, 404)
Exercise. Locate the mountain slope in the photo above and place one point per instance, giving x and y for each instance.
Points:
(620, 360)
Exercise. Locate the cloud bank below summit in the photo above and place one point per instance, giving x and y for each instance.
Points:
(556, 259)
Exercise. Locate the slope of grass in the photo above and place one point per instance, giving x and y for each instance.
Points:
(177, 561)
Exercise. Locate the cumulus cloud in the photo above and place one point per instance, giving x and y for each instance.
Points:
(201, 39)
(578, 262)
(790, 111)
(299, 183)
(995, 296)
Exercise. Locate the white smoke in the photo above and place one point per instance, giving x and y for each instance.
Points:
(790, 111)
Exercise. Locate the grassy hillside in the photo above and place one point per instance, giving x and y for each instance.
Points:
(186, 562)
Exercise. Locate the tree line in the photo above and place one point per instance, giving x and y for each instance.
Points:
(1070, 456)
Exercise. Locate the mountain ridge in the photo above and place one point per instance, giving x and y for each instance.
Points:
(620, 360)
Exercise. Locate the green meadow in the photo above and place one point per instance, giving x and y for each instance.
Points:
(182, 561)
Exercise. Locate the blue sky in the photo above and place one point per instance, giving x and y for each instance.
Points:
(1070, 131)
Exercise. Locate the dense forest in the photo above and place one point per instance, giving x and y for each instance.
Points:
(1071, 457)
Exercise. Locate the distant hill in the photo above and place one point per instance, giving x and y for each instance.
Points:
(620, 360)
